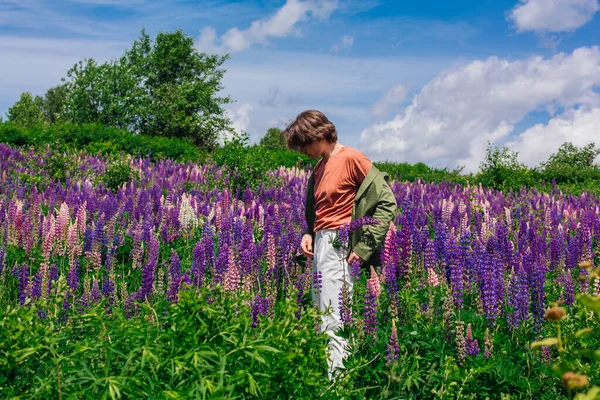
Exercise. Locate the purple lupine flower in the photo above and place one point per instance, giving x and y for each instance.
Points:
(22, 274)
(568, 285)
(149, 268)
(518, 298)
(2, 257)
(73, 275)
(488, 344)
(317, 281)
(393, 347)
(36, 289)
(405, 245)
(52, 276)
(370, 314)
(260, 306)
(355, 269)
(471, 345)
(488, 279)
(175, 275)
(456, 276)
(95, 294)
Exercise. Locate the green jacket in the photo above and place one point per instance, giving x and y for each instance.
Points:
(375, 199)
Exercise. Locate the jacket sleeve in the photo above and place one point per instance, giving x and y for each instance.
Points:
(309, 208)
(373, 235)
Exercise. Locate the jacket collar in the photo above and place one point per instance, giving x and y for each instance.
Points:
(373, 172)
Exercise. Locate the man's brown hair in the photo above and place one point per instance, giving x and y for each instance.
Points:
(308, 127)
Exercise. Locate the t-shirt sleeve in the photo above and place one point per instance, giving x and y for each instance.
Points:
(359, 168)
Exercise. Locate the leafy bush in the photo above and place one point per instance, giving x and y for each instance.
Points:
(249, 165)
(202, 347)
(96, 138)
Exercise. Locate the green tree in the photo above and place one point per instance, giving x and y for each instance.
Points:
(572, 164)
(502, 170)
(160, 87)
(53, 103)
(27, 111)
(272, 140)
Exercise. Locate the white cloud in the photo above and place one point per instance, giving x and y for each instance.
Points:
(396, 95)
(552, 16)
(450, 121)
(240, 118)
(345, 43)
(579, 126)
(282, 23)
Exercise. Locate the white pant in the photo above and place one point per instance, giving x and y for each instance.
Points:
(333, 266)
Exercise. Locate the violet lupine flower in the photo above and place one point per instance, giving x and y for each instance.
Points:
(568, 285)
(260, 306)
(393, 347)
(536, 286)
(488, 344)
(488, 287)
(429, 260)
(457, 276)
(198, 264)
(405, 245)
(95, 294)
(472, 346)
(344, 232)
(345, 304)
(370, 302)
(518, 298)
(36, 289)
(317, 281)
(174, 278)
(355, 269)
(66, 306)
(392, 259)
(150, 268)
(222, 264)
(73, 275)
(22, 274)
(2, 257)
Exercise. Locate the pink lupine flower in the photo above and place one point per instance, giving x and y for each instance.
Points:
(432, 278)
(74, 247)
(232, 275)
(373, 283)
(62, 222)
(49, 240)
(80, 218)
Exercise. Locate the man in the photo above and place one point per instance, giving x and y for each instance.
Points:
(344, 186)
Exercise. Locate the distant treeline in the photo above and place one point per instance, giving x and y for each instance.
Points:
(571, 168)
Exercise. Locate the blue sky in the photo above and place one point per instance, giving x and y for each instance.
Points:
(402, 81)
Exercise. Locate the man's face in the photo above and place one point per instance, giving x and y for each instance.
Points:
(313, 150)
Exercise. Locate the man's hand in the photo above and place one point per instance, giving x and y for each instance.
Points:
(354, 257)
(307, 245)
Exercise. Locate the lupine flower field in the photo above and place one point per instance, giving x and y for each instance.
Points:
(174, 284)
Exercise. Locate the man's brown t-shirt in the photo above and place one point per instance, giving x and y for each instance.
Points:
(336, 182)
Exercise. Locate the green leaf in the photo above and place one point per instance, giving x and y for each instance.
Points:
(591, 302)
(592, 394)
